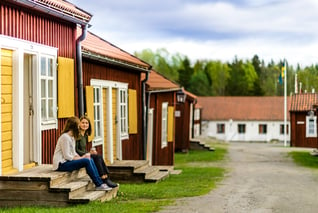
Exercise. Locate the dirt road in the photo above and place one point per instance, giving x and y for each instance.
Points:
(261, 179)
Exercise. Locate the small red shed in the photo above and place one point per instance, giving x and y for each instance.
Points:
(303, 120)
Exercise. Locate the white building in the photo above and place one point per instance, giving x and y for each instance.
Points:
(244, 118)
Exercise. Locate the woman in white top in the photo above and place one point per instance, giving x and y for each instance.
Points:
(65, 157)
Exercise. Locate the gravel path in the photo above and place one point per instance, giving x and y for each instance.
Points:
(261, 179)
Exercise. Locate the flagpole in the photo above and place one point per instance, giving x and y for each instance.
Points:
(285, 103)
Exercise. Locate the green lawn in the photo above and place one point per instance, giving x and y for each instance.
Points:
(303, 158)
(198, 177)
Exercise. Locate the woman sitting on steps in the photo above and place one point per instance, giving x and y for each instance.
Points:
(66, 159)
(85, 131)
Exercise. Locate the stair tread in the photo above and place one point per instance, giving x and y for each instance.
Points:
(88, 196)
(128, 163)
(146, 170)
(70, 186)
(158, 176)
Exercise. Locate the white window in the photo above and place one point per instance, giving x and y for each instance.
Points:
(164, 124)
(262, 129)
(48, 92)
(97, 116)
(311, 126)
(220, 128)
(123, 113)
(241, 128)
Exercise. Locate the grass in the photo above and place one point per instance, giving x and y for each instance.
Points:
(198, 177)
(303, 158)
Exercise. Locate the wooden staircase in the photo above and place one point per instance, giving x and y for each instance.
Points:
(41, 186)
(197, 144)
(131, 171)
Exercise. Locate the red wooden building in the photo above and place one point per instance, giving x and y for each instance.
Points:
(114, 99)
(161, 102)
(38, 41)
(303, 120)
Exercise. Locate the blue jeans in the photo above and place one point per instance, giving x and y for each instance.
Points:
(89, 164)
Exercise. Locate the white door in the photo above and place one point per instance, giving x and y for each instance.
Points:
(28, 112)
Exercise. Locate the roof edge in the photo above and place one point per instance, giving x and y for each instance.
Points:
(63, 14)
(114, 62)
(163, 90)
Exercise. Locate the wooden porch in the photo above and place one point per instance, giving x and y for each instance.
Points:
(41, 186)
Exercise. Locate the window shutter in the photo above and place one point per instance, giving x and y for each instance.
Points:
(65, 86)
(90, 108)
(132, 110)
(170, 123)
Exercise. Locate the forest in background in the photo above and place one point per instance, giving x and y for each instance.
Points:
(236, 78)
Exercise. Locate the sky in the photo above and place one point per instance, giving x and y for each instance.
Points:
(211, 29)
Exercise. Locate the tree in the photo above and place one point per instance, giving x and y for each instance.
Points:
(162, 62)
(218, 74)
(258, 91)
(185, 73)
(199, 84)
(243, 76)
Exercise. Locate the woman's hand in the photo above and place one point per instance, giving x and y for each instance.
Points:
(87, 155)
(93, 151)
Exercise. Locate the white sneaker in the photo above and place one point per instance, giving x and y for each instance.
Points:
(103, 187)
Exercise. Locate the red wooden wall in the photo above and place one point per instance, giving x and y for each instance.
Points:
(161, 156)
(132, 149)
(298, 131)
(35, 27)
(183, 127)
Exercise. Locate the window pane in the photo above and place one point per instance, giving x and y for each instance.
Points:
(50, 88)
(241, 128)
(96, 95)
(98, 112)
(43, 111)
(43, 66)
(50, 67)
(51, 114)
(43, 89)
(220, 128)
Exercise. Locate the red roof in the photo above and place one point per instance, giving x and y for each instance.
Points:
(156, 81)
(190, 96)
(65, 8)
(303, 101)
(268, 108)
(97, 46)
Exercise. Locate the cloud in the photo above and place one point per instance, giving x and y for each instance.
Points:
(211, 29)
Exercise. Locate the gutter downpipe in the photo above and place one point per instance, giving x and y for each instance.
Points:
(80, 71)
(145, 114)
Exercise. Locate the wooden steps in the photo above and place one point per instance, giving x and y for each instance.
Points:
(41, 186)
(197, 144)
(130, 171)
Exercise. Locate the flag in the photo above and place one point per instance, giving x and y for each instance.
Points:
(282, 75)
(280, 78)
(283, 71)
